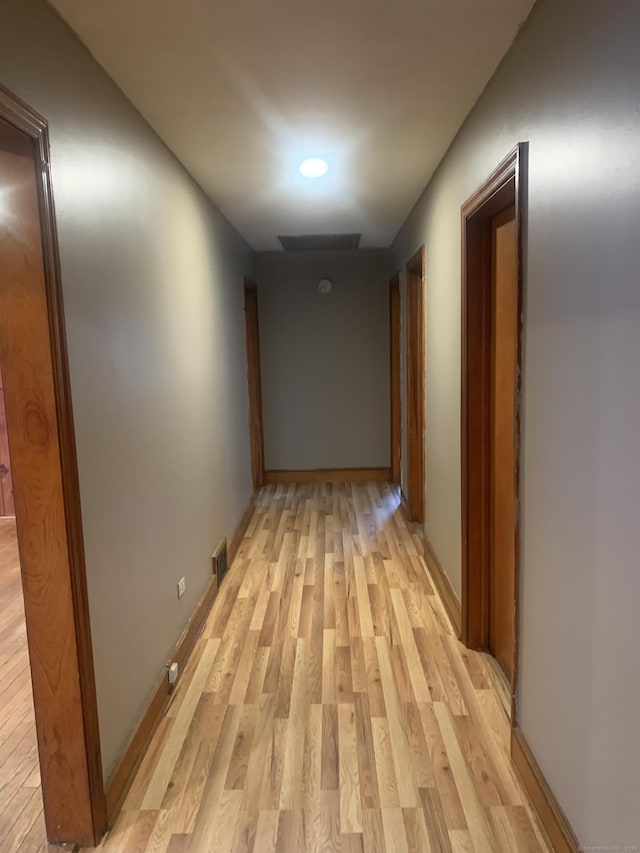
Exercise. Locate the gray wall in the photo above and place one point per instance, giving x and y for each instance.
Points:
(570, 86)
(152, 278)
(325, 359)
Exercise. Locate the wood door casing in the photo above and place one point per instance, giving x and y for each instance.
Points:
(7, 506)
(505, 188)
(48, 521)
(254, 381)
(503, 440)
(395, 377)
(415, 386)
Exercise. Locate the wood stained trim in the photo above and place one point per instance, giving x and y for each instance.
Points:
(443, 586)
(416, 354)
(395, 378)
(85, 829)
(330, 475)
(440, 580)
(553, 819)
(254, 382)
(506, 185)
(122, 777)
(238, 535)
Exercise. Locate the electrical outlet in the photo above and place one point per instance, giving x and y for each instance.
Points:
(173, 674)
(182, 586)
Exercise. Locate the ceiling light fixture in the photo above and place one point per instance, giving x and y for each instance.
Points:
(313, 167)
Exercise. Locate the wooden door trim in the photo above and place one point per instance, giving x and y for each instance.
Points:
(395, 357)
(506, 185)
(254, 382)
(87, 828)
(416, 267)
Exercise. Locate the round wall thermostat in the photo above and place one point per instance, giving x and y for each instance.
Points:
(325, 285)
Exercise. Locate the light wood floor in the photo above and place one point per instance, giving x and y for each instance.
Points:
(328, 705)
(21, 819)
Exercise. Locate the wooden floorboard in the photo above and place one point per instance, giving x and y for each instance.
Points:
(328, 705)
(21, 816)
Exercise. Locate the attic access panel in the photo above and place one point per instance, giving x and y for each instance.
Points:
(320, 242)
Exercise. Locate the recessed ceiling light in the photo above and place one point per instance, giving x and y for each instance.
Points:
(313, 167)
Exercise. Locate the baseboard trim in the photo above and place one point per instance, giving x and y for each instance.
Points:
(329, 475)
(120, 780)
(443, 586)
(440, 580)
(553, 819)
(241, 529)
(122, 777)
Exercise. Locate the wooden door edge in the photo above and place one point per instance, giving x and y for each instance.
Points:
(254, 390)
(417, 266)
(395, 379)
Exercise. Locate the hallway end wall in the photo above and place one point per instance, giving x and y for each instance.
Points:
(325, 359)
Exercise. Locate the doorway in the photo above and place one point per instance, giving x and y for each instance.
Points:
(492, 304)
(415, 386)
(254, 381)
(45, 484)
(395, 322)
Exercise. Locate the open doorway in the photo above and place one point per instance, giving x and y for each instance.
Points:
(48, 526)
(254, 382)
(492, 304)
(395, 378)
(416, 273)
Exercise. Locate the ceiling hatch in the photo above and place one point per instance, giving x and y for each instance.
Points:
(320, 242)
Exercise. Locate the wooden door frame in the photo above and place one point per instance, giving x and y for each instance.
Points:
(506, 185)
(254, 383)
(64, 753)
(395, 367)
(416, 270)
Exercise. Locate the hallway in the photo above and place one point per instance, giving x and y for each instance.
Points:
(327, 705)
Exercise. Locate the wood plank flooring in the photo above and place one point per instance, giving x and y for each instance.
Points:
(328, 705)
(22, 827)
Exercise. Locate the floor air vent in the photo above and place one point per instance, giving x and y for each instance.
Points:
(220, 561)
